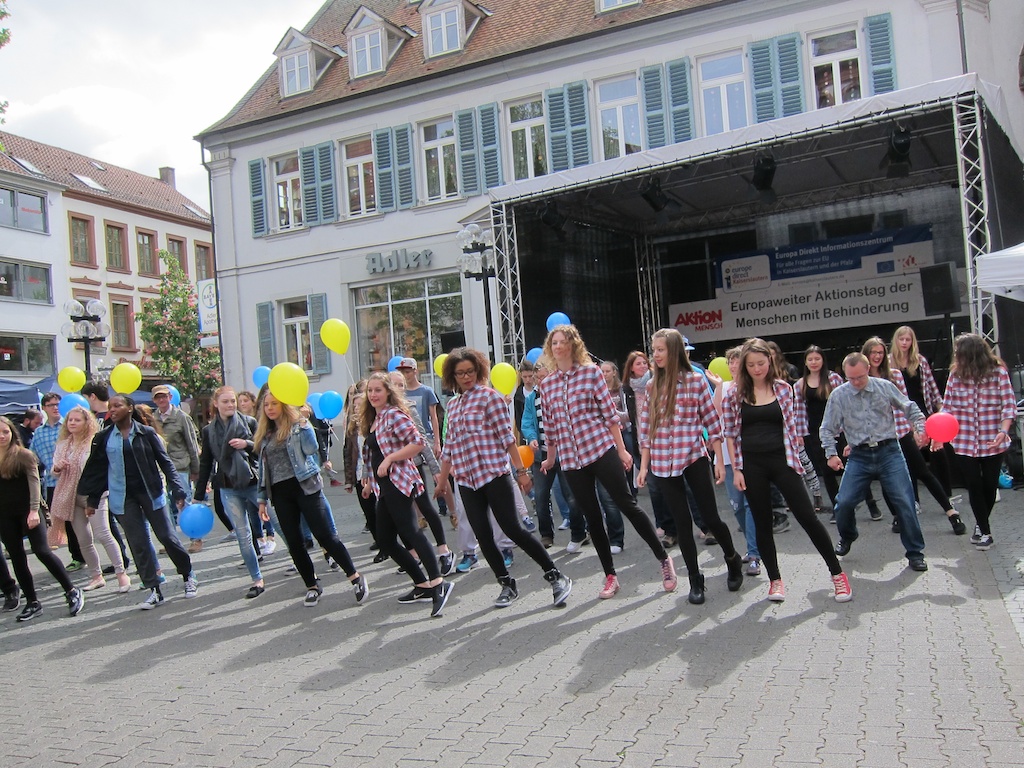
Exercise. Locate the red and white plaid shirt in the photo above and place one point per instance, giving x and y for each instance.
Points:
(394, 430)
(679, 443)
(980, 407)
(479, 434)
(902, 422)
(578, 414)
(801, 399)
(794, 424)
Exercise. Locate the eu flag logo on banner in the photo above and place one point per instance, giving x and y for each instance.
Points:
(886, 266)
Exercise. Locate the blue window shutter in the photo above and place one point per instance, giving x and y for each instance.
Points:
(558, 128)
(490, 145)
(652, 88)
(466, 148)
(257, 198)
(405, 182)
(791, 74)
(579, 123)
(680, 101)
(317, 315)
(307, 176)
(327, 192)
(265, 331)
(762, 80)
(384, 168)
(881, 56)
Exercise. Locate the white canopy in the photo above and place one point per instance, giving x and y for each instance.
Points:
(1002, 272)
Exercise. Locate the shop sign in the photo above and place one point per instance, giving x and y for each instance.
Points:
(398, 259)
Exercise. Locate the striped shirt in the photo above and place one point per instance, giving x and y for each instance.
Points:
(679, 443)
(579, 413)
(479, 436)
(980, 407)
(794, 426)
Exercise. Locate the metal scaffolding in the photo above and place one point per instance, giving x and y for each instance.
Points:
(648, 278)
(512, 347)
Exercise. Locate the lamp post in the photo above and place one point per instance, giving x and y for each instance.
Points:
(477, 262)
(85, 326)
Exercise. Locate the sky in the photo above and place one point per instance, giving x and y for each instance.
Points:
(130, 82)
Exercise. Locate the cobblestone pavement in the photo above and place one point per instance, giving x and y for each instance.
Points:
(919, 670)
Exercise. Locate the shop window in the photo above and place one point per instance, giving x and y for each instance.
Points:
(438, 144)
(288, 191)
(360, 189)
(723, 92)
(27, 354)
(527, 138)
(618, 103)
(25, 282)
(22, 210)
(83, 241)
(836, 68)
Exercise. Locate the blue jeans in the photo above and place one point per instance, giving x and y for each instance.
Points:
(743, 514)
(563, 496)
(238, 502)
(887, 465)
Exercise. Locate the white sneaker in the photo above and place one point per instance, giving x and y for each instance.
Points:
(152, 600)
(191, 587)
(616, 549)
(269, 546)
(573, 547)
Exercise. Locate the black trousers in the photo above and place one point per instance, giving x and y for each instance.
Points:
(369, 508)
(608, 471)
(919, 470)
(293, 506)
(760, 471)
(396, 519)
(699, 477)
(982, 477)
(13, 529)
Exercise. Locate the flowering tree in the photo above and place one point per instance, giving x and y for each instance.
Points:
(169, 324)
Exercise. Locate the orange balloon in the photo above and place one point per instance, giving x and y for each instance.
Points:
(526, 454)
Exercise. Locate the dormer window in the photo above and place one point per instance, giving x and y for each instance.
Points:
(296, 73)
(447, 24)
(373, 42)
(366, 53)
(614, 5)
(302, 62)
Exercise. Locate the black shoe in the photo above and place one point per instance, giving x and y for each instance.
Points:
(76, 600)
(380, 557)
(446, 563)
(709, 539)
(843, 547)
(417, 595)
(696, 595)
(561, 586)
(895, 525)
(781, 524)
(12, 599)
(958, 525)
(373, 547)
(441, 594)
(509, 593)
(108, 570)
(309, 544)
(254, 591)
(874, 511)
(918, 564)
(360, 588)
(735, 565)
(29, 611)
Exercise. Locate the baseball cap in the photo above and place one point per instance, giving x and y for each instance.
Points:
(160, 389)
(407, 362)
(687, 345)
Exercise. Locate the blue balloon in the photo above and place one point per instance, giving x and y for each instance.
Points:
(556, 319)
(331, 404)
(67, 402)
(175, 394)
(314, 403)
(394, 362)
(534, 355)
(196, 521)
(260, 376)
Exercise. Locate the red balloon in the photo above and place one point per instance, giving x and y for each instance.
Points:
(941, 427)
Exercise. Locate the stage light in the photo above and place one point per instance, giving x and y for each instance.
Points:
(550, 216)
(652, 194)
(763, 176)
(897, 156)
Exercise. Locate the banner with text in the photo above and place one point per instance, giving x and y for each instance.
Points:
(850, 281)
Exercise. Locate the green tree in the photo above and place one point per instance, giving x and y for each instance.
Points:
(169, 324)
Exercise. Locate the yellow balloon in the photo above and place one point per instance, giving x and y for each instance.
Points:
(503, 377)
(125, 378)
(335, 334)
(71, 379)
(439, 364)
(720, 367)
(289, 384)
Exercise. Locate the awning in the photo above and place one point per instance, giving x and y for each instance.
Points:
(1002, 272)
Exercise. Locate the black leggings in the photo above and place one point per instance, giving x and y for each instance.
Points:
(433, 518)
(608, 471)
(812, 444)
(698, 476)
(292, 506)
(981, 475)
(498, 495)
(12, 528)
(395, 518)
(760, 471)
(369, 507)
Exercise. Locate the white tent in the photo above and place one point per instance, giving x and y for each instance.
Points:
(1002, 272)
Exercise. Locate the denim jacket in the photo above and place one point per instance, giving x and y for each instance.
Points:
(303, 452)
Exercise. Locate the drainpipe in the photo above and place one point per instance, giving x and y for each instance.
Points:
(963, 36)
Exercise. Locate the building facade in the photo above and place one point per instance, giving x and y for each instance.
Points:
(622, 153)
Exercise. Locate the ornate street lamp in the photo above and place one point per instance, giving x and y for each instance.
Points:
(85, 326)
(477, 263)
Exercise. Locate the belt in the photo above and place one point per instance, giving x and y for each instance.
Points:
(876, 444)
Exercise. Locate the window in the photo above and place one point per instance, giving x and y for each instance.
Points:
(83, 241)
(25, 282)
(116, 239)
(145, 242)
(527, 139)
(360, 192)
(176, 248)
(367, 52)
(723, 92)
(27, 354)
(835, 58)
(298, 341)
(296, 73)
(619, 104)
(439, 159)
(22, 210)
(288, 190)
(611, 5)
(204, 261)
(122, 323)
(443, 32)
(406, 318)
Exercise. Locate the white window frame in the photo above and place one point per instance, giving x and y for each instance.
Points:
(528, 127)
(604, 6)
(299, 332)
(833, 65)
(287, 187)
(293, 65)
(362, 45)
(721, 84)
(618, 106)
(439, 145)
(450, 19)
(364, 165)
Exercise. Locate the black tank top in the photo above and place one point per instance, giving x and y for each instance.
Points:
(762, 428)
